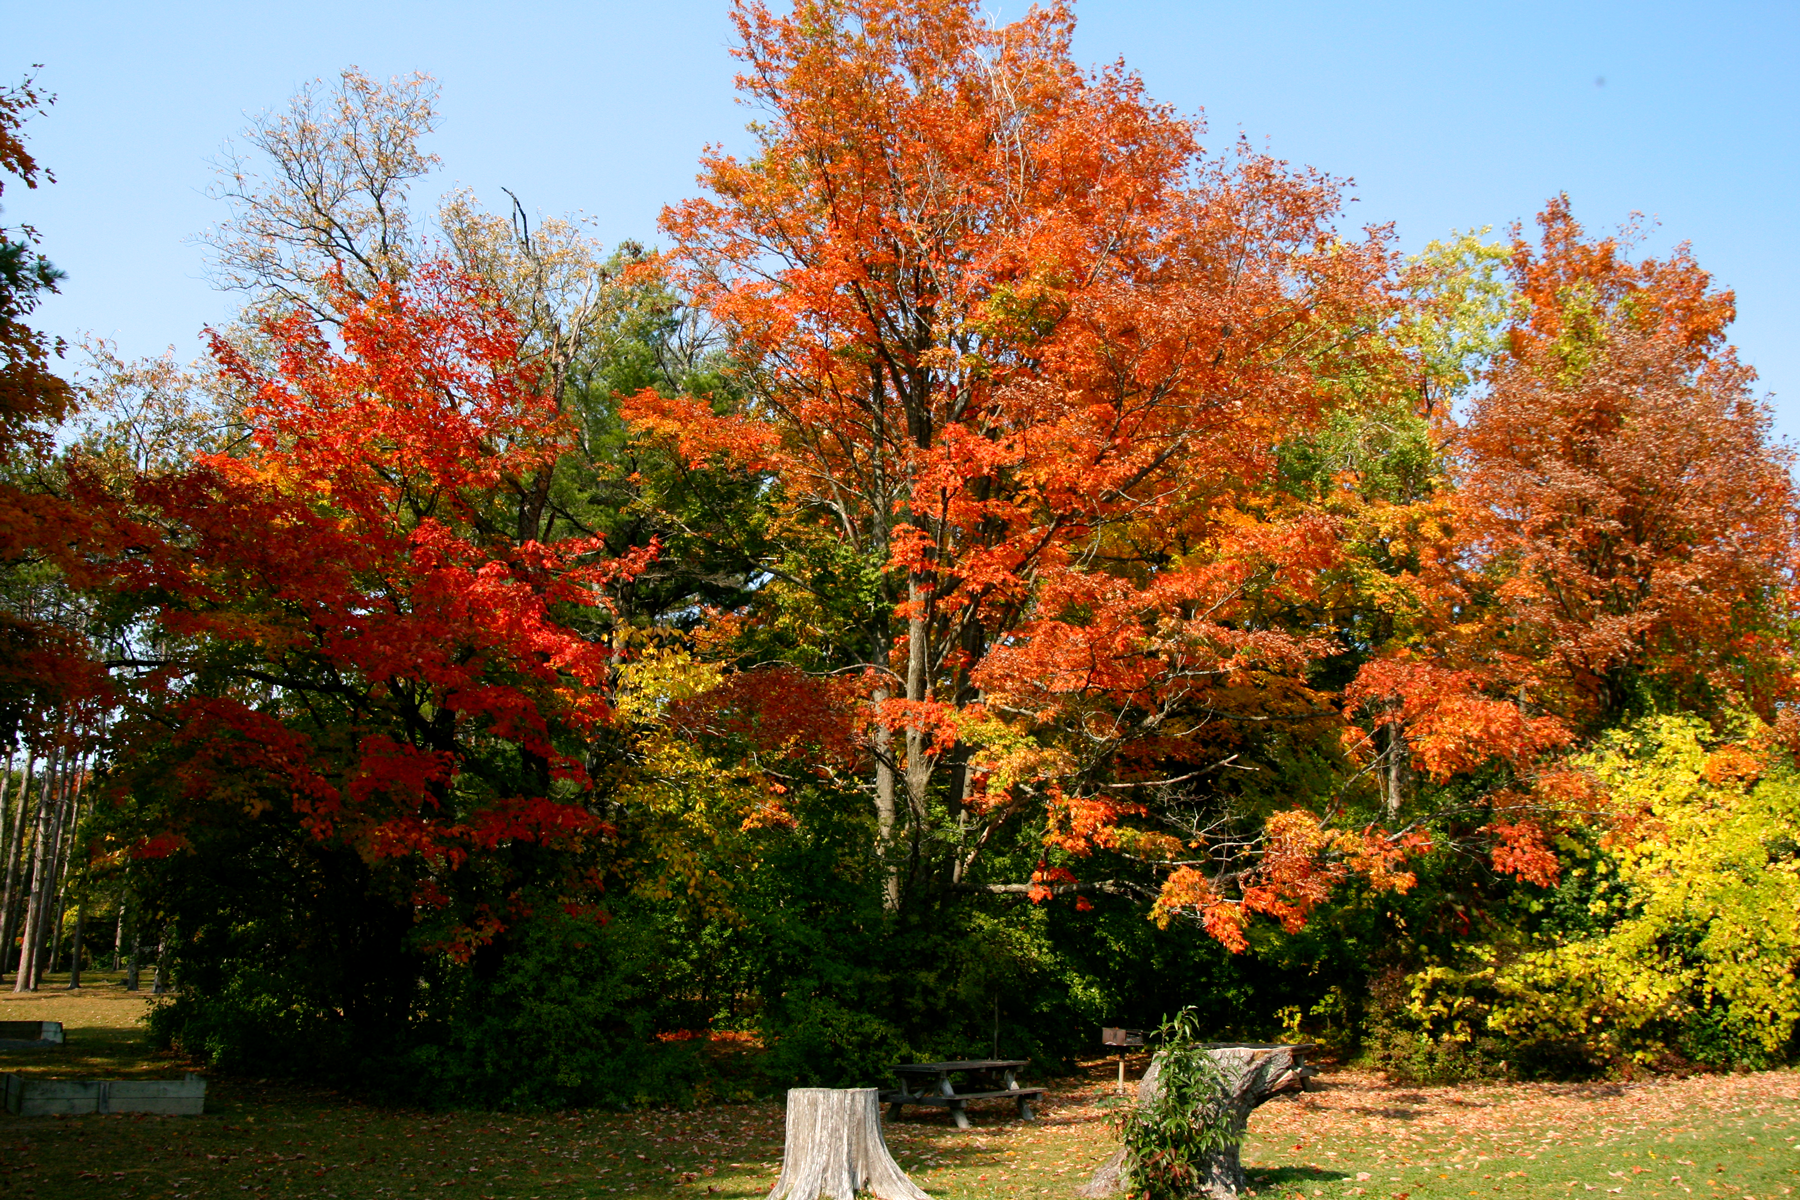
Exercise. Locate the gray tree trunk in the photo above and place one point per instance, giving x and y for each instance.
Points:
(160, 981)
(1252, 1075)
(883, 739)
(49, 931)
(835, 1148)
(119, 935)
(7, 793)
(75, 950)
(76, 879)
(51, 959)
(25, 980)
(9, 897)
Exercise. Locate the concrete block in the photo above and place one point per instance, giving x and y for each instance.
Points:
(29, 1097)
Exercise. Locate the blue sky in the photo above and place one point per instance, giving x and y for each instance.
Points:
(1445, 115)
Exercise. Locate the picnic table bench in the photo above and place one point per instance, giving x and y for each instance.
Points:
(930, 1083)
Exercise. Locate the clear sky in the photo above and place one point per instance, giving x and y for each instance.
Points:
(1446, 115)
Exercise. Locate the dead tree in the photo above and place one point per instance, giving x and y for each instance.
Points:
(835, 1148)
(1251, 1075)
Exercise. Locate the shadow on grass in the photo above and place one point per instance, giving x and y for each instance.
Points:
(111, 1052)
(1275, 1176)
(101, 1025)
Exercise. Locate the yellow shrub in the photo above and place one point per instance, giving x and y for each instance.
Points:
(1696, 922)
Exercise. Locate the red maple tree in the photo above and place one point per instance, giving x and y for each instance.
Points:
(351, 615)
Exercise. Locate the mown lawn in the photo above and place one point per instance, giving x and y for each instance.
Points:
(1718, 1136)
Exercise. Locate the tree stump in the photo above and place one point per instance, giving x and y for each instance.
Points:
(835, 1148)
(1252, 1075)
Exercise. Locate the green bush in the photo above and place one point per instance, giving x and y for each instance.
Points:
(827, 1045)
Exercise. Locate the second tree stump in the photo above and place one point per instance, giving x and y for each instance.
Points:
(1251, 1074)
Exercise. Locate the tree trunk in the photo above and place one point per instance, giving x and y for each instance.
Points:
(119, 935)
(159, 983)
(883, 740)
(920, 760)
(137, 951)
(49, 934)
(77, 874)
(75, 950)
(7, 792)
(1252, 1074)
(52, 956)
(9, 897)
(34, 905)
(835, 1148)
(1394, 788)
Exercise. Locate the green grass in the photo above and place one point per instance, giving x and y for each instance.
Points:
(106, 1038)
(1729, 1136)
(1712, 1136)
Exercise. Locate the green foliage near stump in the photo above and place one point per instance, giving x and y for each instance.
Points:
(1169, 1135)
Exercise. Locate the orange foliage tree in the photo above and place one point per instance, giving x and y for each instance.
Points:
(1635, 520)
(1619, 535)
(1018, 356)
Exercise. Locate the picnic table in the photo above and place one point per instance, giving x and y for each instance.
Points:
(989, 1078)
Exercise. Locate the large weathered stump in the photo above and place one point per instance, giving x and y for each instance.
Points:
(1251, 1075)
(835, 1148)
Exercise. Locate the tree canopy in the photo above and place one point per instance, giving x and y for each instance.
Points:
(999, 553)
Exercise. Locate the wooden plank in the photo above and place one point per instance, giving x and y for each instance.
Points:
(959, 1097)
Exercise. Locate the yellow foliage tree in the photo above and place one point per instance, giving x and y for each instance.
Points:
(1695, 896)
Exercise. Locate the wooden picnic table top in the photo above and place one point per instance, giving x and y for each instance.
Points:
(976, 1064)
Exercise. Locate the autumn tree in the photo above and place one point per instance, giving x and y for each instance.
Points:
(1379, 467)
(319, 192)
(1432, 696)
(44, 659)
(375, 565)
(1616, 534)
(354, 622)
(1634, 513)
(322, 212)
(1018, 351)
